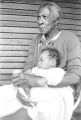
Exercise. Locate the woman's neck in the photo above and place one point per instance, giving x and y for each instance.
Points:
(51, 34)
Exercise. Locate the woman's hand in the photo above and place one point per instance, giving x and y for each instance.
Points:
(17, 78)
(30, 80)
(35, 81)
(23, 100)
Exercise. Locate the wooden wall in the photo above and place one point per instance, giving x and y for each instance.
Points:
(18, 26)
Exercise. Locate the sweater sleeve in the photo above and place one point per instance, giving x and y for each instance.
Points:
(73, 73)
(30, 60)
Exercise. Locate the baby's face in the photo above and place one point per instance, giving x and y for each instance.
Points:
(44, 61)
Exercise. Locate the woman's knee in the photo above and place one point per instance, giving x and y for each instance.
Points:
(21, 114)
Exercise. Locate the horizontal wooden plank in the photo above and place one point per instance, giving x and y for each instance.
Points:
(7, 71)
(38, 1)
(12, 59)
(9, 11)
(71, 16)
(22, 42)
(18, 24)
(19, 6)
(69, 1)
(19, 1)
(70, 5)
(12, 48)
(12, 65)
(70, 21)
(19, 30)
(70, 10)
(72, 27)
(18, 18)
(14, 53)
(16, 36)
(3, 76)
(5, 81)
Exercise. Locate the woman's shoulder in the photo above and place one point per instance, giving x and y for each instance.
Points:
(68, 33)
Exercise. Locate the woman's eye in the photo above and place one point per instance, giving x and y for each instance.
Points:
(38, 17)
(45, 17)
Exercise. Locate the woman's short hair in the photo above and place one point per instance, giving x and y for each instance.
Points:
(52, 6)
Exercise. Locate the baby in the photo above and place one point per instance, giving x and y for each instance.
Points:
(47, 68)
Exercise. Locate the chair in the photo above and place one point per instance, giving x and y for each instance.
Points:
(77, 102)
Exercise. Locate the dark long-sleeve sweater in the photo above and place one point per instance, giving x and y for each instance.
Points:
(69, 47)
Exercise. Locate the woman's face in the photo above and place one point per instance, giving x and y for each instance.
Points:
(45, 20)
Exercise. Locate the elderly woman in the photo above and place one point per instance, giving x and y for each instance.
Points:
(69, 46)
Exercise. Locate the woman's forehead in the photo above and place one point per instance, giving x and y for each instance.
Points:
(52, 10)
(45, 11)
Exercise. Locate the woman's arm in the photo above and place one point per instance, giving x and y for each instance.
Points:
(73, 73)
(29, 80)
(73, 62)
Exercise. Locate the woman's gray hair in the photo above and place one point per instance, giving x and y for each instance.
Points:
(53, 7)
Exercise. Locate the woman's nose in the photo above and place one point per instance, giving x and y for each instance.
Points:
(40, 20)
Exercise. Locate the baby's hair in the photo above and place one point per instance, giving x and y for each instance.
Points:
(53, 53)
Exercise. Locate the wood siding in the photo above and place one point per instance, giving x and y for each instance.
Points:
(18, 27)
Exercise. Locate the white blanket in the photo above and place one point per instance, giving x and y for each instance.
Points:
(8, 101)
(52, 104)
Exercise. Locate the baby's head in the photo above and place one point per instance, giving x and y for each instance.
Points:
(49, 58)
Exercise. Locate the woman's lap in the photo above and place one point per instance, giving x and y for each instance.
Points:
(60, 107)
(60, 102)
(18, 115)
